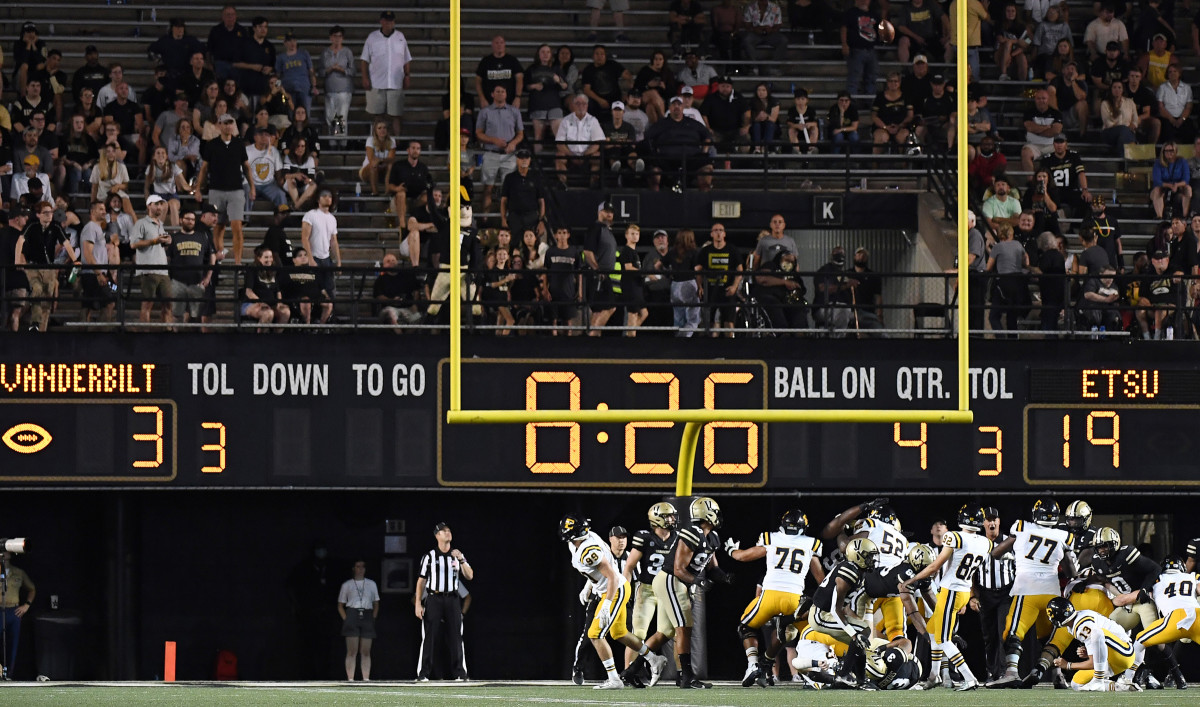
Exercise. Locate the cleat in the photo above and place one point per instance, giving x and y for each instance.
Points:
(1060, 681)
(695, 684)
(929, 684)
(966, 686)
(577, 675)
(1033, 678)
(1152, 682)
(752, 675)
(610, 684)
(632, 676)
(1175, 677)
(657, 664)
(1008, 680)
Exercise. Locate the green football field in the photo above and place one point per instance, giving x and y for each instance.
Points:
(549, 693)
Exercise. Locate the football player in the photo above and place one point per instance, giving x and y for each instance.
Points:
(593, 559)
(1107, 649)
(831, 614)
(1193, 554)
(1086, 593)
(884, 586)
(1077, 519)
(882, 527)
(649, 549)
(1039, 547)
(588, 596)
(965, 552)
(688, 567)
(1175, 595)
(891, 668)
(790, 555)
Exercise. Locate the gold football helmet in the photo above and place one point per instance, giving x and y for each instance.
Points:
(706, 509)
(663, 515)
(1078, 516)
(863, 553)
(919, 556)
(1106, 542)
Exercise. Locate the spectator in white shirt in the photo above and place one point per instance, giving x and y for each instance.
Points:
(1104, 29)
(267, 167)
(579, 138)
(108, 92)
(384, 66)
(1175, 108)
(318, 236)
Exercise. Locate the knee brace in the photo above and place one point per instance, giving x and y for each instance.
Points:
(1012, 646)
(745, 632)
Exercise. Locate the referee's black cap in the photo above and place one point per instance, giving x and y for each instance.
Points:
(440, 527)
(991, 513)
(618, 531)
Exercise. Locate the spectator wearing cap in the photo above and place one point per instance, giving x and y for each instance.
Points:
(657, 287)
(16, 285)
(620, 146)
(762, 22)
(91, 75)
(29, 56)
(225, 43)
(579, 139)
(679, 145)
(108, 92)
(689, 29)
(618, 542)
(1068, 94)
(499, 69)
(294, 67)
(150, 241)
(225, 162)
(1106, 71)
(921, 26)
(1175, 108)
(167, 122)
(689, 106)
(917, 84)
(635, 116)
(30, 171)
(859, 36)
(501, 130)
(523, 199)
(1158, 296)
(175, 49)
(337, 66)
(38, 246)
(991, 600)
(935, 125)
(1104, 29)
(384, 65)
(266, 164)
(438, 606)
(696, 75)
(130, 121)
(256, 59)
(727, 115)
(1042, 123)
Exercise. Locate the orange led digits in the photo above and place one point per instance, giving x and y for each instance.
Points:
(1114, 441)
(920, 443)
(219, 448)
(156, 437)
(631, 463)
(709, 440)
(531, 388)
(997, 450)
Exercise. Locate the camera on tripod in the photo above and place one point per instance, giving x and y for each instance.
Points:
(16, 546)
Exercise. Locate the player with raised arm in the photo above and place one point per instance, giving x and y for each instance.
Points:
(1175, 594)
(648, 551)
(964, 552)
(882, 527)
(593, 559)
(790, 556)
(1107, 649)
(1039, 547)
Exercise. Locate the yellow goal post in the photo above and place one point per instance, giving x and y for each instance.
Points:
(694, 419)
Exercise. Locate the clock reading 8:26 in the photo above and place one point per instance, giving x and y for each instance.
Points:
(729, 454)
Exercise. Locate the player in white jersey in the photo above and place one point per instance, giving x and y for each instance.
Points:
(593, 559)
(964, 552)
(790, 556)
(1107, 649)
(1175, 595)
(1038, 547)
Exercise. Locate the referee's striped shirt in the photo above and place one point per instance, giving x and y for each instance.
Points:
(997, 572)
(440, 571)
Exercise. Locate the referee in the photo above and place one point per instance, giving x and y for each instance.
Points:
(992, 584)
(437, 587)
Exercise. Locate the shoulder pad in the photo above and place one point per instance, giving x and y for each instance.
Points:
(764, 539)
(1071, 539)
(591, 555)
(952, 539)
(1017, 527)
(1128, 554)
(640, 539)
(816, 546)
(694, 537)
(849, 572)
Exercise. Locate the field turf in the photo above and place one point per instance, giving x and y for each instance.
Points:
(546, 693)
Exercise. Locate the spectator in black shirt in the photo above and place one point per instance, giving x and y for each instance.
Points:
(781, 291)
(718, 268)
(91, 75)
(1108, 232)
(728, 115)
(225, 162)
(300, 288)
(38, 247)
(1146, 101)
(175, 49)
(79, 154)
(192, 259)
(602, 82)
(523, 199)
(620, 149)
(16, 286)
(688, 25)
(918, 84)
(1052, 280)
(842, 124)
(1105, 71)
(934, 128)
(802, 122)
(159, 98)
(396, 294)
(859, 36)
(194, 79)
(1099, 303)
(499, 69)
(1068, 94)
(54, 84)
(29, 55)
(891, 115)
(32, 102)
(406, 178)
(128, 116)
(260, 296)
(835, 291)
(866, 293)
(679, 144)
(562, 281)
(1068, 178)
(1158, 297)
(225, 41)
(276, 238)
(256, 61)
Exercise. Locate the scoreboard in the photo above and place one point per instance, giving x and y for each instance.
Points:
(191, 411)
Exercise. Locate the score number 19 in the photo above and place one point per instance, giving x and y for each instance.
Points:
(922, 444)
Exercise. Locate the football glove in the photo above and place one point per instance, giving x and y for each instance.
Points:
(703, 584)
(863, 639)
(585, 594)
(604, 613)
(731, 545)
(874, 504)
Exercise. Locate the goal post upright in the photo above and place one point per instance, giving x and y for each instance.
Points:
(695, 419)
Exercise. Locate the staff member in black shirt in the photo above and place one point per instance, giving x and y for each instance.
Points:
(37, 247)
(440, 570)
(523, 200)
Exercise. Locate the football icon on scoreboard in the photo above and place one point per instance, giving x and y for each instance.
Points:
(26, 438)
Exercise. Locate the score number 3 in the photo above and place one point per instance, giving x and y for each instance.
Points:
(156, 438)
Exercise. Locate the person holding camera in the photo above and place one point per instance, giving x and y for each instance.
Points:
(1172, 178)
(1039, 202)
(15, 579)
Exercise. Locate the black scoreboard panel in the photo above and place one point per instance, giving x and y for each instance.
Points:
(192, 411)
